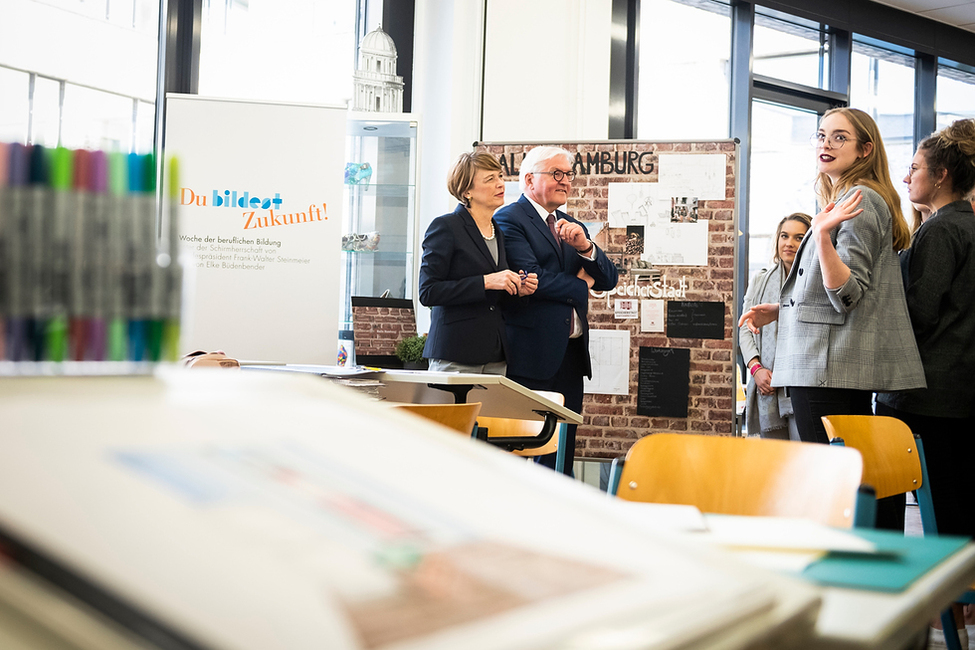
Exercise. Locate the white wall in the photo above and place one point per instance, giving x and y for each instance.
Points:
(540, 84)
(547, 70)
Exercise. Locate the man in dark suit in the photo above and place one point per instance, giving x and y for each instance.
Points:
(548, 336)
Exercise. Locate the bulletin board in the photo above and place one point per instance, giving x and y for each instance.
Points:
(663, 341)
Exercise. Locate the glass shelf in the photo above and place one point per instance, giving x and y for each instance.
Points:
(384, 203)
(381, 189)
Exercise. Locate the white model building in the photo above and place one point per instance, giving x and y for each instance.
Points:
(377, 86)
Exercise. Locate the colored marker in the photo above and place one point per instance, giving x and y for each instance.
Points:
(139, 241)
(57, 266)
(79, 306)
(174, 286)
(39, 208)
(118, 220)
(5, 238)
(18, 277)
(156, 256)
(97, 251)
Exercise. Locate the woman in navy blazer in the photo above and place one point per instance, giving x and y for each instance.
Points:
(464, 273)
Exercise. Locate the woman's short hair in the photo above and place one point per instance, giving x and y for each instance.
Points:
(801, 217)
(952, 149)
(869, 170)
(461, 177)
(533, 160)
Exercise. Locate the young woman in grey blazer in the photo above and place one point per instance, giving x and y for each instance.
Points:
(844, 330)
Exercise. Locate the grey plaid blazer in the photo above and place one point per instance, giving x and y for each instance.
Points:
(858, 336)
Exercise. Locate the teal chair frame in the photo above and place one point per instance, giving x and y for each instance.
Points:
(480, 433)
(866, 517)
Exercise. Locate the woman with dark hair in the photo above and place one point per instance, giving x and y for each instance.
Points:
(768, 411)
(939, 271)
(464, 273)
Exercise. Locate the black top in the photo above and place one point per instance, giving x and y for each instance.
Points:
(939, 270)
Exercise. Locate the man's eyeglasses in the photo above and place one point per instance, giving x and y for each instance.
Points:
(836, 141)
(912, 169)
(558, 175)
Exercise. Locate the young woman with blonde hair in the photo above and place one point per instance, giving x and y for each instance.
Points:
(843, 326)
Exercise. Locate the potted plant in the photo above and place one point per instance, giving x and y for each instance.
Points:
(410, 352)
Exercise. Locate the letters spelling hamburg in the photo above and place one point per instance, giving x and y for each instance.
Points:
(251, 218)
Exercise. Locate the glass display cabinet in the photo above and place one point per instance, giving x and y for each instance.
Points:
(379, 238)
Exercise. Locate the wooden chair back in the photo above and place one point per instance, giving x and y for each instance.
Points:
(744, 476)
(891, 462)
(459, 417)
(510, 428)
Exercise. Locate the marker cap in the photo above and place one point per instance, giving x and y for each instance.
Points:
(82, 169)
(4, 164)
(62, 163)
(118, 173)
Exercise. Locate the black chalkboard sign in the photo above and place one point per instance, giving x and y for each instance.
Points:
(695, 320)
(664, 381)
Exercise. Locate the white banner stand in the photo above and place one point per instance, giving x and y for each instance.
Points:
(260, 220)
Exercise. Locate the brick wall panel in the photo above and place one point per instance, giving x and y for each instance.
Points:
(612, 423)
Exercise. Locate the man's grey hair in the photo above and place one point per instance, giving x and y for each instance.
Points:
(533, 161)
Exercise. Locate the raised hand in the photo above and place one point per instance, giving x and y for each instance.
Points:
(572, 234)
(833, 214)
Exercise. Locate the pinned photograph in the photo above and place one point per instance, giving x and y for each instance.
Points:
(634, 240)
(683, 209)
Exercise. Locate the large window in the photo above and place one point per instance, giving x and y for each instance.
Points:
(282, 50)
(89, 82)
(789, 50)
(14, 105)
(882, 84)
(783, 169)
(956, 93)
(684, 70)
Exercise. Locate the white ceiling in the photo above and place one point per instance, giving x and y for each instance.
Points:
(960, 13)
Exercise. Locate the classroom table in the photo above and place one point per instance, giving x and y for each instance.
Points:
(248, 511)
(500, 397)
(210, 506)
(877, 620)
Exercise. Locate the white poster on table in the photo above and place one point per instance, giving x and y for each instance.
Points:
(260, 196)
